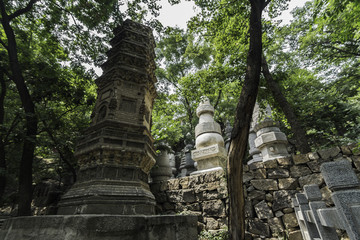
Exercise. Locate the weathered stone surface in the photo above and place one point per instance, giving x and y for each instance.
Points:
(211, 224)
(295, 235)
(256, 195)
(288, 183)
(173, 184)
(339, 175)
(249, 210)
(269, 197)
(278, 173)
(258, 227)
(313, 156)
(214, 208)
(247, 176)
(256, 165)
(282, 199)
(315, 165)
(284, 161)
(314, 178)
(329, 153)
(346, 150)
(263, 211)
(290, 220)
(300, 159)
(276, 225)
(356, 160)
(265, 184)
(298, 171)
(271, 164)
(100, 227)
(259, 173)
(186, 195)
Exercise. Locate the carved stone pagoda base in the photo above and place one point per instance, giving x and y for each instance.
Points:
(100, 227)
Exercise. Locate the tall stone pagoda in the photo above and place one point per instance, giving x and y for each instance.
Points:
(116, 152)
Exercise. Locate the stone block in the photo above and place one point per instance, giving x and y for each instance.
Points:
(298, 171)
(256, 165)
(313, 156)
(184, 182)
(284, 161)
(300, 159)
(315, 165)
(282, 200)
(295, 235)
(173, 184)
(290, 220)
(259, 173)
(249, 210)
(269, 197)
(288, 183)
(278, 173)
(211, 224)
(356, 161)
(312, 192)
(213, 208)
(247, 176)
(256, 195)
(346, 150)
(271, 163)
(355, 149)
(326, 195)
(315, 178)
(329, 153)
(276, 225)
(339, 175)
(258, 227)
(265, 184)
(263, 211)
(96, 227)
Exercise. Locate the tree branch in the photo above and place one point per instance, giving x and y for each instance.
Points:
(4, 44)
(23, 10)
(266, 3)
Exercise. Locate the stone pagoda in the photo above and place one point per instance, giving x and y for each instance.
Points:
(116, 152)
(210, 153)
(271, 142)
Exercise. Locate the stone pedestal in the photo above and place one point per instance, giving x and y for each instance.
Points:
(254, 152)
(100, 227)
(210, 153)
(270, 140)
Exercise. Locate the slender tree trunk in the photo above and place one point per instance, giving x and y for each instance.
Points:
(2, 144)
(25, 172)
(299, 132)
(240, 133)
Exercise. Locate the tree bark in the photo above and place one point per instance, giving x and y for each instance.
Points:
(301, 141)
(25, 171)
(240, 133)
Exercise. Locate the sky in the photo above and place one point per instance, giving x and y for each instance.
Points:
(179, 14)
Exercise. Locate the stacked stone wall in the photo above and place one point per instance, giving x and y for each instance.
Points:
(269, 187)
(203, 195)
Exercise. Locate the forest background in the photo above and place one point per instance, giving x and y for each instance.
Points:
(310, 76)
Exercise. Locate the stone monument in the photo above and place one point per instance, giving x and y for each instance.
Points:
(269, 139)
(162, 170)
(116, 152)
(111, 199)
(187, 165)
(210, 153)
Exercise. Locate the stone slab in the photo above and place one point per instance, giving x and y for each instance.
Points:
(100, 227)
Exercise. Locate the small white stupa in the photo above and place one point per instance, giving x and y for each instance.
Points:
(210, 153)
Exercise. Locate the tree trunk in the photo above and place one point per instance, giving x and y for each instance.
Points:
(301, 141)
(25, 173)
(2, 144)
(240, 133)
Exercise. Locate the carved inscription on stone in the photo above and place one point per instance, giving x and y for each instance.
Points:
(128, 105)
(205, 152)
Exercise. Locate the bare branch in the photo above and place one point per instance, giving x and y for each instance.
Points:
(23, 10)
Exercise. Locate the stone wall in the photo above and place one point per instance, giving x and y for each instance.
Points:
(269, 189)
(203, 195)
